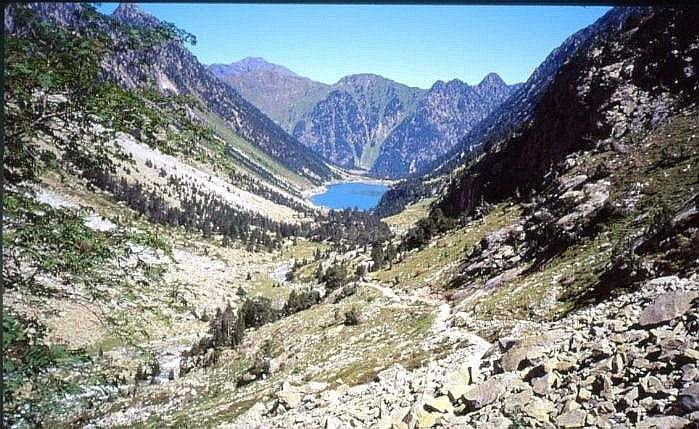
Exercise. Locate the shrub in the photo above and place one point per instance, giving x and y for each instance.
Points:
(352, 317)
(335, 277)
(257, 312)
(299, 301)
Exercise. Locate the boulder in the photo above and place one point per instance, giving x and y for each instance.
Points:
(332, 422)
(421, 418)
(572, 419)
(440, 404)
(539, 409)
(666, 307)
(485, 393)
(663, 422)
(542, 385)
(289, 396)
(689, 398)
(527, 349)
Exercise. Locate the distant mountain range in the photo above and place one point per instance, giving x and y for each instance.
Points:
(367, 121)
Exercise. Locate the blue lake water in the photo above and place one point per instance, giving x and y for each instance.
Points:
(348, 195)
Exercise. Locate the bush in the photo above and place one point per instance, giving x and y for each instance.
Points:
(335, 277)
(257, 312)
(299, 301)
(352, 317)
(346, 292)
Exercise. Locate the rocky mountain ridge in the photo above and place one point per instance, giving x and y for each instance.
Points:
(248, 65)
(370, 122)
(615, 84)
(442, 116)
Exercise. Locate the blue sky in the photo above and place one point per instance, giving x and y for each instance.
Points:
(412, 44)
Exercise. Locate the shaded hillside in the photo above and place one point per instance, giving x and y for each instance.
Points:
(620, 81)
(507, 118)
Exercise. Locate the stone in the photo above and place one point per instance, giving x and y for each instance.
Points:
(440, 404)
(289, 396)
(663, 422)
(689, 398)
(528, 348)
(498, 422)
(400, 415)
(572, 419)
(313, 387)
(666, 307)
(332, 422)
(539, 409)
(542, 385)
(584, 394)
(456, 391)
(485, 393)
(514, 403)
(421, 418)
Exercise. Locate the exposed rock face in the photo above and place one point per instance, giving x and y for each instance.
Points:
(351, 123)
(666, 307)
(365, 120)
(174, 70)
(617, 80)
(442, 116)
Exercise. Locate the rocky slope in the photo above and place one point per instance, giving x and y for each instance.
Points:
(280, 93)
(174, 69)
(441, 118)
(614, 85)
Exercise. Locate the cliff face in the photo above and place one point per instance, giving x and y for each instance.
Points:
(350, 124)
(443, 115)
(506, 119)
(626, 78)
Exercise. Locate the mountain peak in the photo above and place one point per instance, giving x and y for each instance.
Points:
(361, 77)
(131, 13)
(453, 84)
(247, 65)
(492, 79)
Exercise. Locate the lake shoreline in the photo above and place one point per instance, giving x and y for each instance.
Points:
(348, 194)
(317, 190)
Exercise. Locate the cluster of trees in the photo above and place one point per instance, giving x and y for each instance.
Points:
(426, 228)
(396, 198)
(227, 327)
(334, 277)
(351, 227)
(381, 255)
